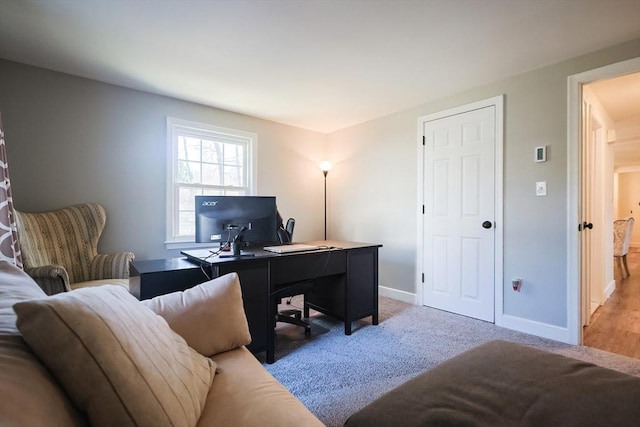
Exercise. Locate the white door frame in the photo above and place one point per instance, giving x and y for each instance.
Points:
(498, 103)
(574, 95)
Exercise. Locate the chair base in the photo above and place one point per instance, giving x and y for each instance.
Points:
(294, 317)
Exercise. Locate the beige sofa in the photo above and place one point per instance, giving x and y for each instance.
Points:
(39, 381)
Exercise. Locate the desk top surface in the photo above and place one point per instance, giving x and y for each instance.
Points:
(168, 264)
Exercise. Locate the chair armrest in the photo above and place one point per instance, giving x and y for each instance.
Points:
(52, 279)
(111, 266)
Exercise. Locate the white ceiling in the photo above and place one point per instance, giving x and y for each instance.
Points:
(620, 97)
(317, 64)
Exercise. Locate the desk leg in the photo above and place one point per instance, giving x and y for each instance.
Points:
(271, 357)
(271, 334)
(347, 327)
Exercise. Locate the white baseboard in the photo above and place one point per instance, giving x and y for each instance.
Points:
(527, 326)
(533, 327)
(403, 296)
(608, 290)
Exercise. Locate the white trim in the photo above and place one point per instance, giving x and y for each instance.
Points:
(626, 169)
(420, 225)
(499, 213)
(609, 289)
(201, 128)
(498, 103)
(533, 327)
(574, 99)
(396, 294)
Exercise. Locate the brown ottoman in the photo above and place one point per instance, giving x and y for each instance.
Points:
(506, 384)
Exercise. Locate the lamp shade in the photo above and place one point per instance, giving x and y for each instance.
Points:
(325, 166)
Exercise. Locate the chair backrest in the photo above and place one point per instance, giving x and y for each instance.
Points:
(622, 229)
(67, 237)
(285, 233)
(291, 223)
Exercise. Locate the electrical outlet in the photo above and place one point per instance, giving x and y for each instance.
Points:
(541, 188)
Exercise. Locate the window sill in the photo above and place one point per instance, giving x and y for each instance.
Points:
(186, 245)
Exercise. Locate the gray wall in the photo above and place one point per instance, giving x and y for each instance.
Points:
(72, 140)
(373, 186)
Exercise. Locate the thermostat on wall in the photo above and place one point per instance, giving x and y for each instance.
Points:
(541, 154)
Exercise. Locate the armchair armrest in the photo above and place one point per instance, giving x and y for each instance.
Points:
(111, 266)
(52, 279)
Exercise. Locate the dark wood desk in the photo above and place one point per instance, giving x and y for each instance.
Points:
(345, 283)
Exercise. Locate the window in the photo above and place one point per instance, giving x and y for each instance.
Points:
(204, 160)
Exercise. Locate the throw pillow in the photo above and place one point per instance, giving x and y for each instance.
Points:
(209, 316)
(119, 361)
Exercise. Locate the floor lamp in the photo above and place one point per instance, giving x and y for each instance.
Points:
(325, 167)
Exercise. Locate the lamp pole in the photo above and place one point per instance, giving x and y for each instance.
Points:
(325, 203)
(325, 166)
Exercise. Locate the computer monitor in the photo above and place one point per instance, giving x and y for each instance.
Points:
(220, 218)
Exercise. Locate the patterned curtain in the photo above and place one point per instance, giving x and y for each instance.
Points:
(9, 246)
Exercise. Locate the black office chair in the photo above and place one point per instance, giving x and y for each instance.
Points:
(285, 233)
(291, 316)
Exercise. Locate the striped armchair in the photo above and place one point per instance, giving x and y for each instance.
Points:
(60, 249)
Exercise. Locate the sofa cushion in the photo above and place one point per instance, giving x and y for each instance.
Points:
(507, 384)
(245, 394)
(119, 361)
(29, 395)
(15, 285)
(209, 316)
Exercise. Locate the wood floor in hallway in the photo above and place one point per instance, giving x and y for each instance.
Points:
(615, 326)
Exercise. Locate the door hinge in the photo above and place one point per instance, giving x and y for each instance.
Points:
(422, 277)
(422, 209)
(424, 140)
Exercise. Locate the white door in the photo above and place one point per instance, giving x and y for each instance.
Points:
(459, 218)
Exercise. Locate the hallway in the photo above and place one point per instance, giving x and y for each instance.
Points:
(615, 326)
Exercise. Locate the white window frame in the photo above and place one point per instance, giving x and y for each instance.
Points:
(177, 127)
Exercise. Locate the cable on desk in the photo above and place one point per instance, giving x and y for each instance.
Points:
(215, 253)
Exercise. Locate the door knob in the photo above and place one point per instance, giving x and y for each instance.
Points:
(587, 225)
(487, 224)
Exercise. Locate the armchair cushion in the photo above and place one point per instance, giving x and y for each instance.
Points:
(210, 316)
(153, 379)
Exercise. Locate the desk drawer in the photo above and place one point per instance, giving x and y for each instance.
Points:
(304, 266)
(253, 277)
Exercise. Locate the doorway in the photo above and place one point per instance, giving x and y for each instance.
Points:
(591, 150)
(460, 184)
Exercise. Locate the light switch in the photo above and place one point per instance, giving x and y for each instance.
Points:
(541, 188)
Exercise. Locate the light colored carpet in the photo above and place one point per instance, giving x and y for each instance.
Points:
(335, 375)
